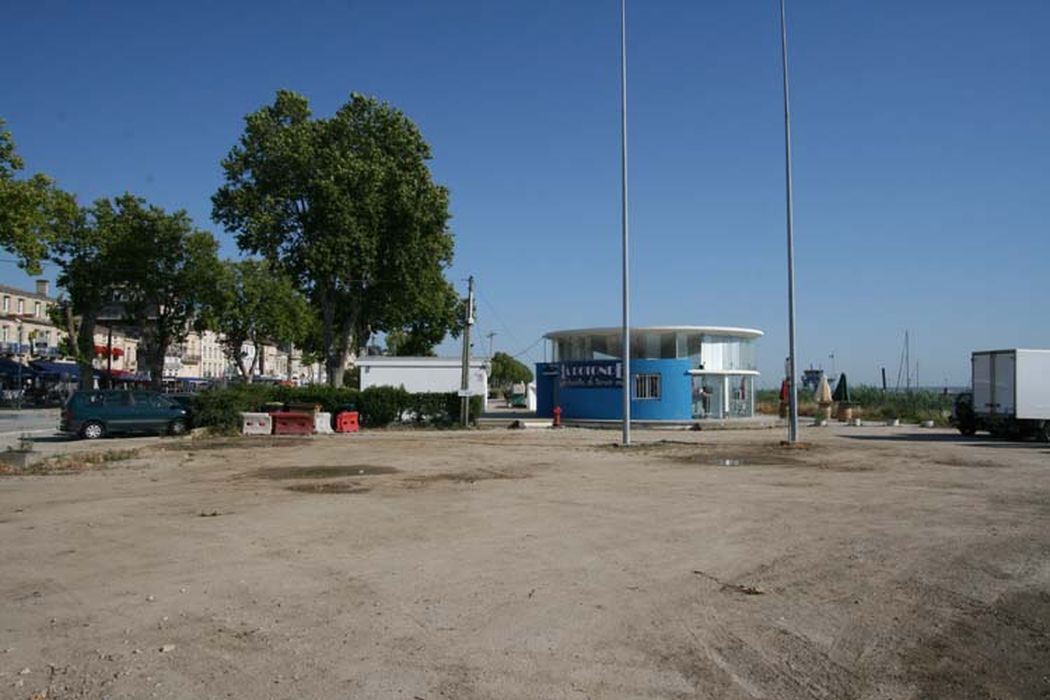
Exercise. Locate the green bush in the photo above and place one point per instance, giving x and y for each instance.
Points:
(382, 405)
(429, 407)
(220, 409)
(454, 408)
(378, 406)
(330, 398)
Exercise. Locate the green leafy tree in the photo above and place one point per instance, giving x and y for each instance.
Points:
(506, 371)
(254, 304)
(436, 317)
(346, 206)
(87, 255)
(33, 211)
(166, 271)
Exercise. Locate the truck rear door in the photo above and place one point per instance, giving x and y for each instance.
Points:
(982, 383)
(1003, 383)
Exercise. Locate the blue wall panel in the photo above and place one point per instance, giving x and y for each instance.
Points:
(605, 403)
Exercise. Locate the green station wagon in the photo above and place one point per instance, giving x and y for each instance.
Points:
(93, 414)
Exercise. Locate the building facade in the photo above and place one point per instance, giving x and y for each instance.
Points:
(678, 373)
(28, 334)
(26, 329)
(424, 374)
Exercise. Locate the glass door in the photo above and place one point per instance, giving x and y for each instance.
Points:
(708, 396)
(740, 395)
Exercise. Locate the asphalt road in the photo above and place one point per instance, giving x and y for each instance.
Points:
(37, 422)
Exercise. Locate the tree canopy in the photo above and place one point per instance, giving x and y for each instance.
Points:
(506, 371)
(168, 271)
(32, 211)
(254, 304)
(347, 208)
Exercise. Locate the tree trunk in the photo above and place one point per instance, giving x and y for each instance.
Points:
(339, 352)
(85, 346)
(259, 357)
(155, 347)
(332, 364)
(246, 373)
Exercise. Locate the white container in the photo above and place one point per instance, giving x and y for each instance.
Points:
(256, 424)
(323, 423)
(1012, 383)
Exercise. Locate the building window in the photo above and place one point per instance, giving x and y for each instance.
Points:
(36, 309)
(21, 306)
(7, 304)
(647, 386)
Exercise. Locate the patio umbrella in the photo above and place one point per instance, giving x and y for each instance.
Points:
(823, 395)
(842, 390)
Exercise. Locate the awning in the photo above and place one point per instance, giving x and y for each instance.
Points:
(10, 368)
(122, 375)
(68, 371)
(104, 350)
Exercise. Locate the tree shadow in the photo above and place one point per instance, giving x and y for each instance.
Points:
(53, 438)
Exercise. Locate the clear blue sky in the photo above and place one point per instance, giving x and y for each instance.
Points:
(921, 139)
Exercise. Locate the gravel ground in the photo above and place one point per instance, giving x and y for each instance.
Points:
(876, 563)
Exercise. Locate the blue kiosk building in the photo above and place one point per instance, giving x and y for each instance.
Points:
(678, 373)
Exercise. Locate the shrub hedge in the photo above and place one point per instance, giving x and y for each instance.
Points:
(872, 402)
(378, 406)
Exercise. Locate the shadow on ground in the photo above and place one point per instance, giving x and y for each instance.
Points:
(950, 438)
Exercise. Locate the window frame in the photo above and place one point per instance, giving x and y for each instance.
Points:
(648, 387)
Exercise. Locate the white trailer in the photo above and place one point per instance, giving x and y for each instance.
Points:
(1011, 392)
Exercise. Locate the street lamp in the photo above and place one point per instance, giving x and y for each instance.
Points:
(623, 226)
(21, 357)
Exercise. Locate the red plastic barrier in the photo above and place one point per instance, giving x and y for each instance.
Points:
(292, 423)
(346, 422)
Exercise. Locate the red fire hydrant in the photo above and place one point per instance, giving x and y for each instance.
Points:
(557, 417)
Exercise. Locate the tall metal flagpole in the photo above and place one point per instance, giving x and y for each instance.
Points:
(623, 207)
(792, 390)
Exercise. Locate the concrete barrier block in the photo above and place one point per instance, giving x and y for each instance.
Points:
(289, 423)
(346, 422)
(256, 424)
(323, 423)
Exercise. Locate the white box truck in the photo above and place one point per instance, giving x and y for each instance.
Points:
(1011, 394)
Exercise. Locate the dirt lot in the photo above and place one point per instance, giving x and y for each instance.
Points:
(879, 563)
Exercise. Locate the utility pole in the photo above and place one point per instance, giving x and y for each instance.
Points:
(464, 385)
(792, 389)
(490, 336)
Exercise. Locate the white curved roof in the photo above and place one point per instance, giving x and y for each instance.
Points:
(706, 330)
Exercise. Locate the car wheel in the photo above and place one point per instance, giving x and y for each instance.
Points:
(92, 430)
(177, 427)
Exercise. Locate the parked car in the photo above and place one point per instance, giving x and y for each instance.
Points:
(185, 400)
(94, 414)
